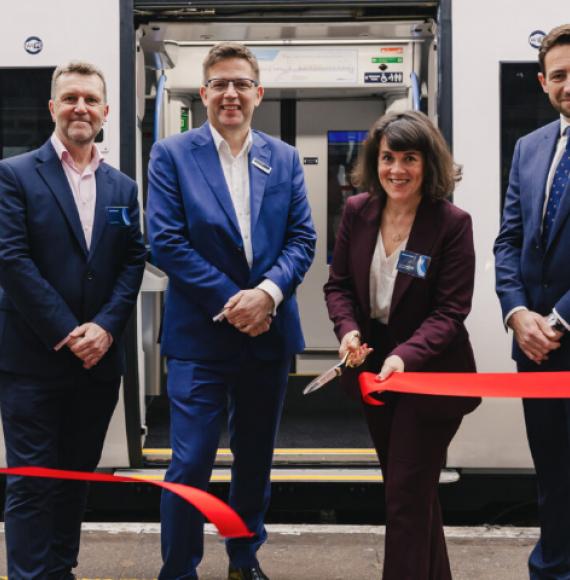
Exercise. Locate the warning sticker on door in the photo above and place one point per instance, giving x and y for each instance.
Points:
(384, 78)
(392, 50)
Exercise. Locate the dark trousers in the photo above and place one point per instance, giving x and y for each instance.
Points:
(56, 423)
(411, 442)
(548, 431)
(200, 392)
(411, 434)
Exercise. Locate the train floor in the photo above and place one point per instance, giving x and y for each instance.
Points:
(300, 552)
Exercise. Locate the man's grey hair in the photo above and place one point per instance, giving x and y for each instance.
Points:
(79, 68)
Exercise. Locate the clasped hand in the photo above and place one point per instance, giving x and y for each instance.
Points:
(250, 311)
(534, 335)
(89, 342)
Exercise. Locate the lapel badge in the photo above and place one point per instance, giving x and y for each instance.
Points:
(261, 166)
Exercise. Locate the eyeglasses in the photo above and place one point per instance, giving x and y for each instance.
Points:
(240, 85)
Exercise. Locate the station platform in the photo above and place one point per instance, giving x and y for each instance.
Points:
(299, 552)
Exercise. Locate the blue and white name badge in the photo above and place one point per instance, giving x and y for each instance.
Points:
(261, 166)
(118, 216)
(413, 264)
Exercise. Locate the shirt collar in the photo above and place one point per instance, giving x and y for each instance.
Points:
(564, 124)
(220, 142)
(65, 156)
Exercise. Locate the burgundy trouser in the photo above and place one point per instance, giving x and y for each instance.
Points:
(411, 434)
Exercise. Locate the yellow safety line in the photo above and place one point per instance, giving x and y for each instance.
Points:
(300, 477)
(284, 451)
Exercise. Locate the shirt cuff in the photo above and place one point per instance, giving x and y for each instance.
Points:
(562, 321)
(511, 312)
(274, 291)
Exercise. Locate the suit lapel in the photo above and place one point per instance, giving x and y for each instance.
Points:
(363, 247)
(257, 177)
(539, 176)
(208, 161)
(104, 199)
(53, 174)
(422, 237)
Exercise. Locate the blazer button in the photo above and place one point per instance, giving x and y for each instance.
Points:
(90, 275)
(546, 285)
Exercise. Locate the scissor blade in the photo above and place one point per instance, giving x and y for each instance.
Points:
(322, 380)
(326, 377)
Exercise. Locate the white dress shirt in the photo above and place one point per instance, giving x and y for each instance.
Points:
(383, 274)
(83, 184)
(236, 173)
(84, 189)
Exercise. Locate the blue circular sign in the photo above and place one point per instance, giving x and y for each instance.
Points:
(33, 44)
(535, 38)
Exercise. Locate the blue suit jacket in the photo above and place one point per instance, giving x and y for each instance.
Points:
(50, 281)
(528, 273)
(195, 238)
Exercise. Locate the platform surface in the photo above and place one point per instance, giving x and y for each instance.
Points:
(300, 552)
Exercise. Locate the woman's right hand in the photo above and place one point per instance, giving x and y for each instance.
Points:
(357, 352)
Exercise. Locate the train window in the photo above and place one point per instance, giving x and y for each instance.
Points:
(25, 122)
(343, 148)
(524, 107)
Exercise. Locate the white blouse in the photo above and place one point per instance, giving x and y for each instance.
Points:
(382, 277)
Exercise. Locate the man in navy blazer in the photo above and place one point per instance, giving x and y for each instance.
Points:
(533, 285)
(229, 223)
(71, 263)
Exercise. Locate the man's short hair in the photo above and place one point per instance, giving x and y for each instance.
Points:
(556, 37)
(226, 50)
(79, 68)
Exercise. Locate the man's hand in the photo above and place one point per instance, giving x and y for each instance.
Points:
(89, 342)
(534, 335)
(357, 352)
(250, 311)
(392, 364)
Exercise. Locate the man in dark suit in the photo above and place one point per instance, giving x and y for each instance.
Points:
(230, 224)
(533, 285)
(71, 263)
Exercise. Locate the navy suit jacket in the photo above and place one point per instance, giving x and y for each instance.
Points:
(50, 281)
(426, 323)
(195, 238)
(529, 273)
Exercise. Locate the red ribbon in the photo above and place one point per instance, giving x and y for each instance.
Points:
(228, 522)
(555, 385)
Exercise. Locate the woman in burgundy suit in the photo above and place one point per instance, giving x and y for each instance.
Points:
(401, 281)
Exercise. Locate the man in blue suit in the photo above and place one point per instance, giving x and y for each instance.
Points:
(229, 223)
(71, 263)
(533, 284)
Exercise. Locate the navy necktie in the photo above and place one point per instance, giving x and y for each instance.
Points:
(559, 183)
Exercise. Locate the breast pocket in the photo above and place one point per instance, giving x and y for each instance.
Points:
(283, 188)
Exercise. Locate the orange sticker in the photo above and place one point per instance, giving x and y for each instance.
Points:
(392, 50)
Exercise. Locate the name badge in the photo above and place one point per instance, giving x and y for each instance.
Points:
(413, 264)
(118, 216)
(261, 166)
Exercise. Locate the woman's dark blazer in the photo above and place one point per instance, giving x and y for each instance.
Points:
(426, 323)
